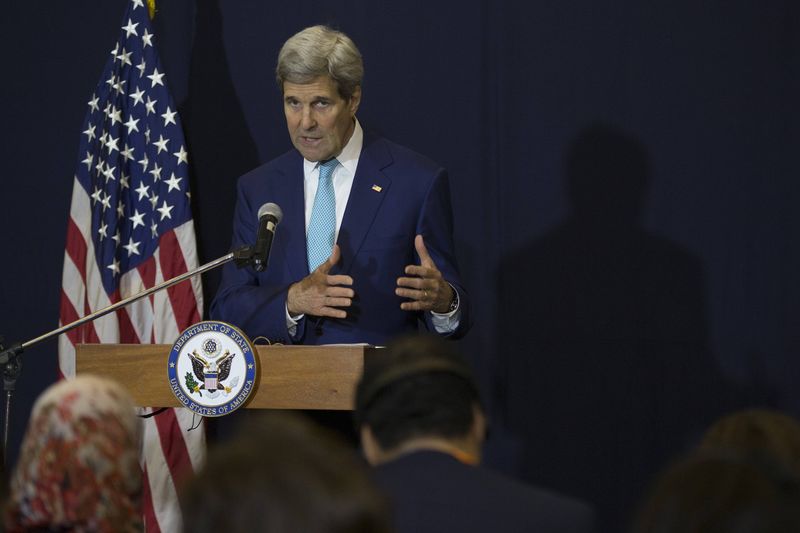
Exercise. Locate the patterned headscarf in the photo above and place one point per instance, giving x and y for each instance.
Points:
(78, 468)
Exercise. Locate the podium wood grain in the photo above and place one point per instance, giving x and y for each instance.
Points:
(289, 377)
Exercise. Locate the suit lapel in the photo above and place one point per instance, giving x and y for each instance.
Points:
(370, 186)
(289, 188)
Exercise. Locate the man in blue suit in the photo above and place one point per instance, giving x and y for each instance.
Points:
(422, 426)
(365, 249)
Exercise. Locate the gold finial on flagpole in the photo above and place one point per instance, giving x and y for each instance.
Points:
(151, 7)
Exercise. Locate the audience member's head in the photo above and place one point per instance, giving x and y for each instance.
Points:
(757, 433)
(78, 468)
(722, 493)
(283, 474)
(418, 393)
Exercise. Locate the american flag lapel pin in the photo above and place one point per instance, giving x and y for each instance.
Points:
(377, 188)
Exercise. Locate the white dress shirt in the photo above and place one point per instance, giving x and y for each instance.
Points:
(343, 176)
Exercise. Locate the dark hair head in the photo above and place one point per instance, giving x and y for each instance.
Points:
(417, 386)
(721, 493)
(283, 474)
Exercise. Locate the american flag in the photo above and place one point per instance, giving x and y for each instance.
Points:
(130, 228)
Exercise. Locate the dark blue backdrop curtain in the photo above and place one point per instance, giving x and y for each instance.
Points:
(624, 175)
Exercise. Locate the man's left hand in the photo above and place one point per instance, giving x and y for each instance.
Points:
(424, 287)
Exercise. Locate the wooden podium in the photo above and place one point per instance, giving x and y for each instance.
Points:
(289, 377)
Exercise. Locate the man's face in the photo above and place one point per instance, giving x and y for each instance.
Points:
(320, 121)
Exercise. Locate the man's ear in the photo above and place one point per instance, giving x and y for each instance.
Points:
(479, 425)
(355, 100)
(372, 450)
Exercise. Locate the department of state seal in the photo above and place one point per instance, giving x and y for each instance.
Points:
(212, 368)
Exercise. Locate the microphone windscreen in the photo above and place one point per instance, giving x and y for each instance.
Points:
(271, 209)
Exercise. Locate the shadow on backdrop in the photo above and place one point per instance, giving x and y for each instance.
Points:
(605, 366)
(220, 143)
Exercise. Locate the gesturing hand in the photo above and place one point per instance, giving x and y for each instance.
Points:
(425, 286)
(321, 294)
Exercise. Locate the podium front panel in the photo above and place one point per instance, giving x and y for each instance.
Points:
(289, 377)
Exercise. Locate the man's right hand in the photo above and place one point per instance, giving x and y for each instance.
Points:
(321, 294)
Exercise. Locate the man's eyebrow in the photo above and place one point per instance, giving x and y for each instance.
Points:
(313, 98)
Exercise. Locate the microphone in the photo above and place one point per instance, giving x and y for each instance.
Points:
(269, 215)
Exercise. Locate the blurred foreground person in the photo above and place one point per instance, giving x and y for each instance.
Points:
(283, 474)
(743, 478)
(757, 433)
(722, 493)
(78, 468)
(423, 426)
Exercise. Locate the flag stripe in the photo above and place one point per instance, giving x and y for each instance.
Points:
(68, 314)
(79, 206)
(186, 419)
(127, 331)
(140, 313)
(150, 520)
(161, 483)
(173, 446)
(66, 351)
(181, 296)
(186, 241)
(76, 249)
(73, 296)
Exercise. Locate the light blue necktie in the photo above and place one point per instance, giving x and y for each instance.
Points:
(322, 228)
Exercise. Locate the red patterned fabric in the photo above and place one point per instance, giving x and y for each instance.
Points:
(78, 468)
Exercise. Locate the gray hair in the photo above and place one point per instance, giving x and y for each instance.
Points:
(321, 51)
